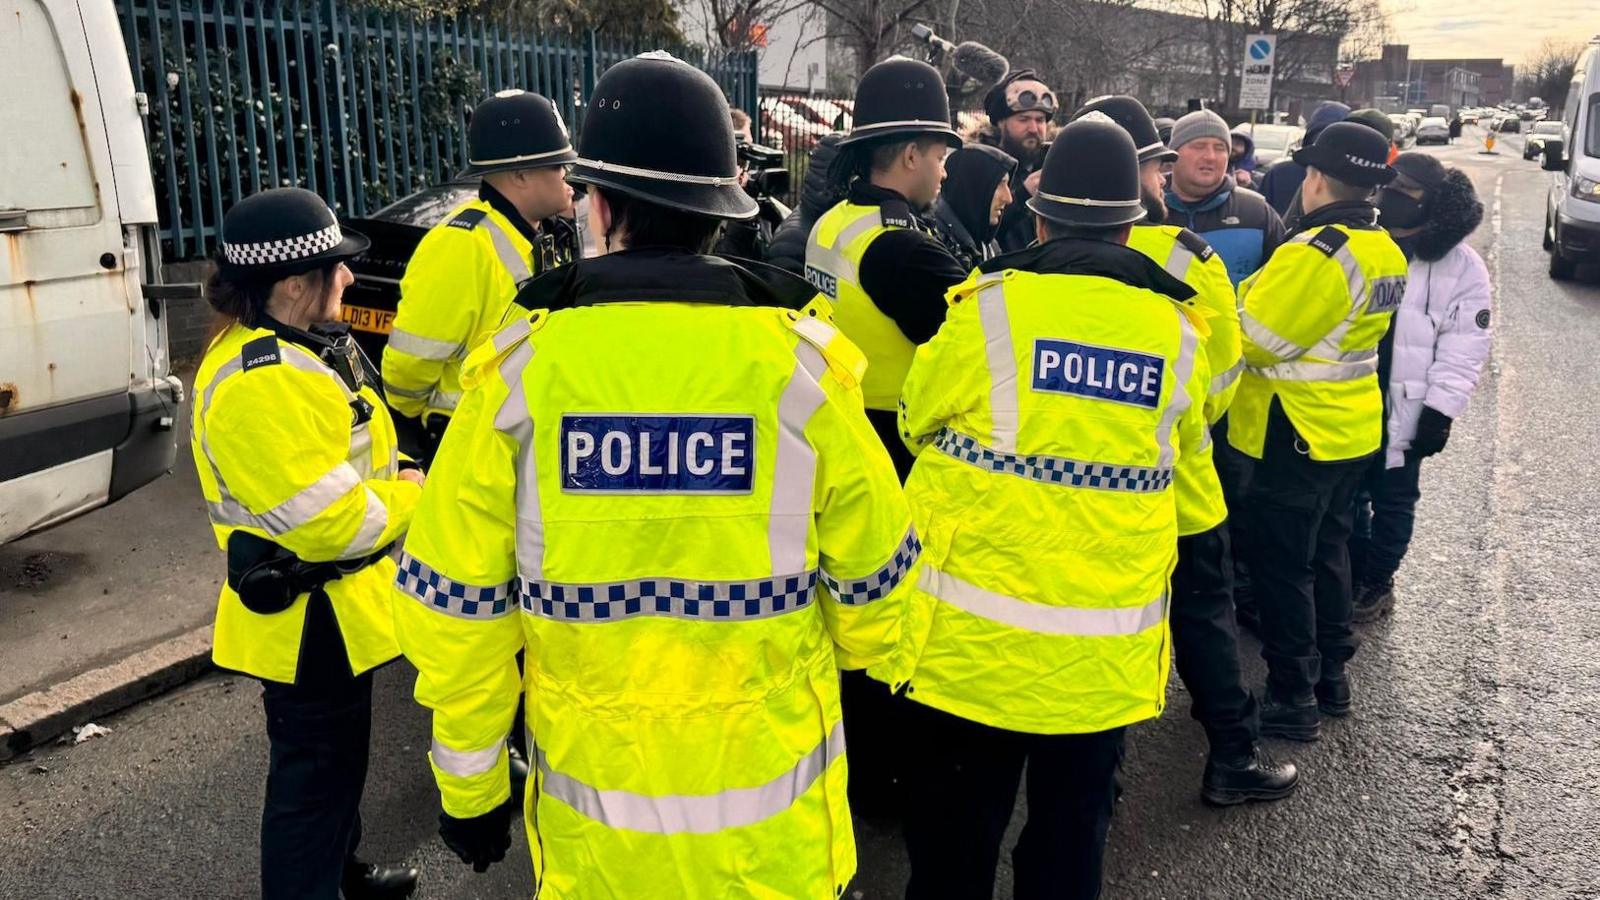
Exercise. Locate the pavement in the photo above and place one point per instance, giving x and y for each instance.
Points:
(1470, 768)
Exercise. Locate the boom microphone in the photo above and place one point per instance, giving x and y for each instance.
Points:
(976, 63)
(925, 34)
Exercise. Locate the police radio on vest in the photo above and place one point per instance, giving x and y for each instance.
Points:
(657, 454)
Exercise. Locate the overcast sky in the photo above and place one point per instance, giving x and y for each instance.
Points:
(1510, 29)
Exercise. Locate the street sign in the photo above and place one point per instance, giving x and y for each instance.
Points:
(1255, 78)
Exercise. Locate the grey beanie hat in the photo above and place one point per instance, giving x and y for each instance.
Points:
(1202, 123)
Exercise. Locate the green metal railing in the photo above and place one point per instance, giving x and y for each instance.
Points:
(362, 106)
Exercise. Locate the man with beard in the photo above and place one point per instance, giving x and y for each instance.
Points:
(1020, 107)
(1429, 362)
(976, 193)
(1204, 635)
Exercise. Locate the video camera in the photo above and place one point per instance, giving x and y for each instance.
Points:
(767, 175)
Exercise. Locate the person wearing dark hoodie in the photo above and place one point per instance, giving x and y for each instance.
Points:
(1242, 162)
(1202, 197)
(818, 194)
(975, 193)
(1283, 180)
(1429, 362)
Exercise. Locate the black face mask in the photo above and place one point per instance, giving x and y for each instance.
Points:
(1396, 210)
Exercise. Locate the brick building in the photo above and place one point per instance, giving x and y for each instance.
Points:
(1420, 82)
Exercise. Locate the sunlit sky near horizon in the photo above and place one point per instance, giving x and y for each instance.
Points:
(1510, 29)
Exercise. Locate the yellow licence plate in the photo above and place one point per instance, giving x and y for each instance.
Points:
(361, 318)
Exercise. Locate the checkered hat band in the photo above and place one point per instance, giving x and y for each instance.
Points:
(271, 253)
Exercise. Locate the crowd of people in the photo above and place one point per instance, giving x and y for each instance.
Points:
(1002, 425)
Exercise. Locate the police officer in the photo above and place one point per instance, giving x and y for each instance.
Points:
(872, 254)
(661, 482)
(464, 274)
(1310, 413)
(1204, 634)
(307, 494)
(1051, 408)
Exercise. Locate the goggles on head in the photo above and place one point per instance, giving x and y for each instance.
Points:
(1026, 96)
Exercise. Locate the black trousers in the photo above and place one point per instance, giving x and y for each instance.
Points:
(1386, 516)
(1300, 514)
(1233, 470)
(961, 787)
(886, 423)
(872, 726)
(1205, 640)
(318, 730)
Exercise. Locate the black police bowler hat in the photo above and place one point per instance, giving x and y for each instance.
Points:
(1351, 153)
(901, 97)
(516, 129)
(281, 232)
(658, 129)
(1135, 120)
(1090, 176)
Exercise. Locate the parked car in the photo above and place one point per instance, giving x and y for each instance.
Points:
(1469, 117)
(88, 407)
(1572, 211)
(1509, 125)
(1535, 144)
(1433, 130)
(1273, 142)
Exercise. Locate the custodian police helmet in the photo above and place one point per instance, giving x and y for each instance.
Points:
(1351, 153)
(1135, 120)
(1090, 176)
(658, 129)
(516, 129)
(901, 97)
(281, 232)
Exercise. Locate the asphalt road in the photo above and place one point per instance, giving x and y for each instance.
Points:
(1470, 769)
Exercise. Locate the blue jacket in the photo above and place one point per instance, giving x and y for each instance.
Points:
(1236, 222)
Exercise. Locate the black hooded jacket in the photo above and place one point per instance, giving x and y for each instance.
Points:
(818, 194)
(961, 214)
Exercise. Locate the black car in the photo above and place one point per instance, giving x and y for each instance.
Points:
(395, 230)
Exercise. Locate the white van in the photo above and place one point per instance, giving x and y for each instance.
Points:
(87, 405)
(1572, 214)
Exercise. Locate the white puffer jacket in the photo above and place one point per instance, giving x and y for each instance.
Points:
(1441, 342)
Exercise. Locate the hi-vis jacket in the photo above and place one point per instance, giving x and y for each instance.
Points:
(1312, 319)
(1051, 410)
(838, 242)
(456, 290)
(668, 493)
(1187, 257)
(288, 452)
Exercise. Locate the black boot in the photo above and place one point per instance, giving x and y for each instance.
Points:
(1333, 690)
(1233, 778)
(1373, 600)
(1295, 720)
(365, 881)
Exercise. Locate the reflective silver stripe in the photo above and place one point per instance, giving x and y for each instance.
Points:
(1179, 400)
(515, 265)
(693, 813)
(1038, 618)
(374, 520)
(444, 400)
(451, 597)
(423, 347)
(719, 601)
(881, 581)
(467, 763)
(394, 390)
(360, 455)
(514, 331)
(294, 512)
(1177, 264)
(1054, 469)
(1302, 370)
(514, 420)
(830, 258)
(795, 463)
(1001, 357)
(1267, 339)
(1223, 381)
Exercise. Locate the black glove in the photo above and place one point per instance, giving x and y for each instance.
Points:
(1433, 430)
(481, 840)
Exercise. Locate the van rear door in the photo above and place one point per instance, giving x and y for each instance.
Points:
(85, 396)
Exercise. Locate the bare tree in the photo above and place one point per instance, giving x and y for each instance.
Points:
(1547, 72)
(872, 29)
(739, 24)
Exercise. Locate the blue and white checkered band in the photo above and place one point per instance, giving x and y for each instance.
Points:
(271, 253)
